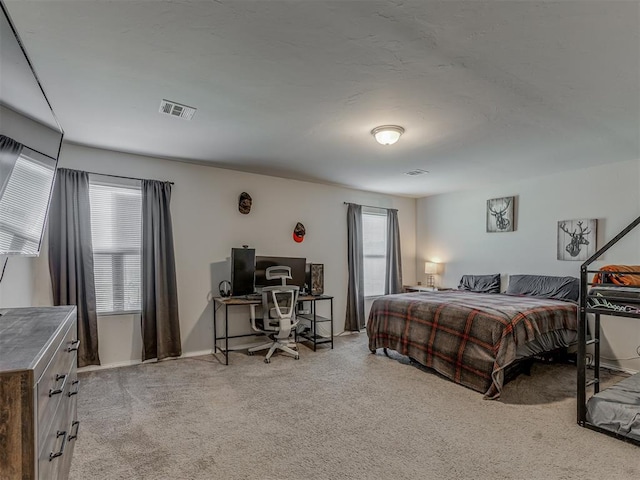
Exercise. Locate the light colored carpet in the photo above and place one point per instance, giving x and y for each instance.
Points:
(333, 414)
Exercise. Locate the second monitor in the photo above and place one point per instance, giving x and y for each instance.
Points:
(297, 266)
(243, 262)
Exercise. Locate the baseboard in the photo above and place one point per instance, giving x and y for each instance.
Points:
(348, 332)
(199, 353)
(618, 368)
(92, 368)
(129, 363)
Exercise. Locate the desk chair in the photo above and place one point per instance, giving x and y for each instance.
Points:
(278, 314)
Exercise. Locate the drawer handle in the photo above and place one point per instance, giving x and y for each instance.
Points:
(75, 423)
(56, 391)
(61, 451)
(74, 346)
(75, 392)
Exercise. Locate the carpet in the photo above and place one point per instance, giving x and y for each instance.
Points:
(333, 414)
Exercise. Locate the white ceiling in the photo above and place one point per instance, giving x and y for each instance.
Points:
(19, 90)
(488, 91)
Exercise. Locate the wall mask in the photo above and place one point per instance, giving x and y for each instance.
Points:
(299, 232)
(244, 203)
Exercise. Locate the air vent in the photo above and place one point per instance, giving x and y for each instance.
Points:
(176, 110)
(416, 172)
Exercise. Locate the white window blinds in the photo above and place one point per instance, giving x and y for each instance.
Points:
(374, 243)
(24, 205)
(116, 231)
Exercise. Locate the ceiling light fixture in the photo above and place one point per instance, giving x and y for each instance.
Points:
(387, 134)
(416, 172)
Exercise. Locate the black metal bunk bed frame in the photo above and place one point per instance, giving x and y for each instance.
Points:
(583, 341)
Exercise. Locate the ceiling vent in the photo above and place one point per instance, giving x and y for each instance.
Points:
(176, 110)
(416, 172)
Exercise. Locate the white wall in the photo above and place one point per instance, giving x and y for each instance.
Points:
(207, 224)
(451, 228)
(17, 286)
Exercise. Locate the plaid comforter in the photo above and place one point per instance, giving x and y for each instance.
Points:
(467, 337)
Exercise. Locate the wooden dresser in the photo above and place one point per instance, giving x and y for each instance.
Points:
(38, 392)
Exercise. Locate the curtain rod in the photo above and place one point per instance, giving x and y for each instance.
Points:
(370, 206)
(121, 176)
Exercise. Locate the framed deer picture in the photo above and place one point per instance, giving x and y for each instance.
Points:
(500, 215)
(577, 239)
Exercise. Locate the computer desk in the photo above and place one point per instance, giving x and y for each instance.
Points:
(244, 301)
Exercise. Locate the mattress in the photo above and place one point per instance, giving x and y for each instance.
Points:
(546, 342)
(617, 409)
(615, 299)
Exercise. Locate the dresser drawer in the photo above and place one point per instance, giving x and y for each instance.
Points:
(60, 439)
(55, 382)
(74, 429)
(53, 449)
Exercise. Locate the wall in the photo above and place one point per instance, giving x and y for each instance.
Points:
(17, 286)
(451, 228)
(207, 225)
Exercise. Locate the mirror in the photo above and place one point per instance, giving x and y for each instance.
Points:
(30, 141)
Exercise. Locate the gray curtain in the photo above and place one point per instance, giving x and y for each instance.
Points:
(393, 275)
(160, 322)
(71, 257)
(354, 319)
(9, 152)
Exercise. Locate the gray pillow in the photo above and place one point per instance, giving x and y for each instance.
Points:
(560, 288)
(480, 283)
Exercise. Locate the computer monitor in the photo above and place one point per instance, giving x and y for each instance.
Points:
(243, 265)
(297, 266)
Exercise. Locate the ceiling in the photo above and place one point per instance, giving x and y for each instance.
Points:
(19, 90)
(487, 91)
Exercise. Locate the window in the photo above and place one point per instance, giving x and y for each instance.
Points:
(374, 243)
(23, 207)
(116, 232)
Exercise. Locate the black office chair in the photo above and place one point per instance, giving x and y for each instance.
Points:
(278, 319)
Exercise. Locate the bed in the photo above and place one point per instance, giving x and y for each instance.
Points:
(615, 299)
(471, 337)
(617, 409)
(614, 291)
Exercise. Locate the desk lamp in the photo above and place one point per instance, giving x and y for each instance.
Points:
(430, 268)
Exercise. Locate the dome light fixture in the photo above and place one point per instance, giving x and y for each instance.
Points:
(387, 134)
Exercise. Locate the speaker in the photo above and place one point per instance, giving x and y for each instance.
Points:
(243, 268)
(315, 278)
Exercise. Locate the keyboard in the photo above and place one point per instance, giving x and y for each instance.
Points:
(253, 296)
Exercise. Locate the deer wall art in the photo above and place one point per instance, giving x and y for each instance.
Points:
(576, 239)
(500, 216)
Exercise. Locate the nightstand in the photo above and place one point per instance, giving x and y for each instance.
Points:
(418, 288)
(422, 288)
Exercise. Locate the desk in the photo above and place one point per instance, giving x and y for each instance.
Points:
(227, 302)
(313, 319)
